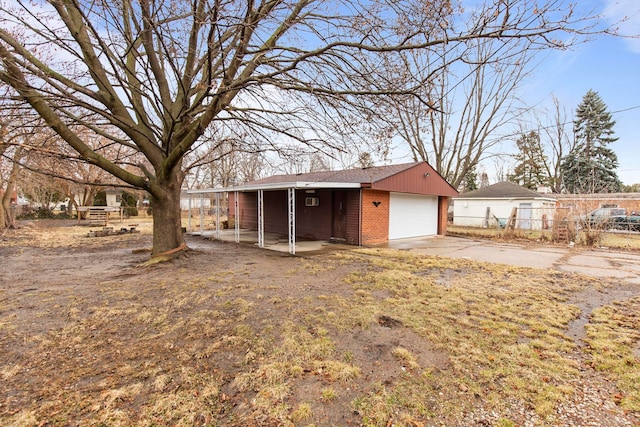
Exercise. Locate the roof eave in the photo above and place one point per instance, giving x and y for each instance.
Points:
(278, 186)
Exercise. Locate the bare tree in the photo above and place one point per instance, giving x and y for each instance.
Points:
(502, 166)
(557, 140)
(150, 76)
(223, 160)
(467, 91)
(471, 95)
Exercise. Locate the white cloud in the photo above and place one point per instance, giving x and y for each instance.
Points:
(625, 14)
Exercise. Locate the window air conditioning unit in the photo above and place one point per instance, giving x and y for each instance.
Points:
(312, 201)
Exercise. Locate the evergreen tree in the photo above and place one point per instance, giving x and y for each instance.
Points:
(471, 180)
(530, 169)
(591, 166)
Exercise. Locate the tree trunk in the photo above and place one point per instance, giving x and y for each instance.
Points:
(3, 218)
(8, 220)
(167, 221)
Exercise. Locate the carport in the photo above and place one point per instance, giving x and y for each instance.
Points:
(256, 220)
(363, 206)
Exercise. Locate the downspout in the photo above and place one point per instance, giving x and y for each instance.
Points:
(218, 215)
(237, 219)
(261, 218)
(202, 214)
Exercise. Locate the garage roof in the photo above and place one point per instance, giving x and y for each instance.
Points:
(407, 177)
(356, 176)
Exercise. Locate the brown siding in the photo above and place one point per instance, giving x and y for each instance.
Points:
(247, 205)
(353, 217)
(312, 222)
(275, 212)
(416, 181)
(443, 210)
(232, 206)
(375, 219)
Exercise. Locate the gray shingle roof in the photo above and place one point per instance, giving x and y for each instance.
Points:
(360, 175)
(501, 189)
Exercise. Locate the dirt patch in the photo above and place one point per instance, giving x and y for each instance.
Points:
(592, 298)
(234, 335)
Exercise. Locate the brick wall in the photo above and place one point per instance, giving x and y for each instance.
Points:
(375, 219)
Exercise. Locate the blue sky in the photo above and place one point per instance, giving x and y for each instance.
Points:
(608, 65)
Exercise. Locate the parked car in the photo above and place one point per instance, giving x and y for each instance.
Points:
(629, 222)
(610, 218)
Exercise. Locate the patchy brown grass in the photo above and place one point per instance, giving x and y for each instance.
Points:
(237, 336)
(614, 240)
(613, 337)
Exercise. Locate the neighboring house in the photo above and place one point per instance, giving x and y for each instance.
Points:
(491, 206)
(357, 206)
(114, 197)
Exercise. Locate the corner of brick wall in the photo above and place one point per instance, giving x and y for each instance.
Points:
(375, 220)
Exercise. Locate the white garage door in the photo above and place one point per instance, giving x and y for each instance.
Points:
(412, 216)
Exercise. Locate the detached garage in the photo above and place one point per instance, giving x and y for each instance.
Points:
(412, 215)
(491, 207)
(362, 206)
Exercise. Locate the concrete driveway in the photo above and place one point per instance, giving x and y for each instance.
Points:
(599, 263)
(594, 262)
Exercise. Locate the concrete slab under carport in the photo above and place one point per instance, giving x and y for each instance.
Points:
(272, 241)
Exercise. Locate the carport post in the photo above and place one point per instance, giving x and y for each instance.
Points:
(218, 215)
(237, 219)
(188, 215)
(201, 213)
(261, 218)
(292, 220)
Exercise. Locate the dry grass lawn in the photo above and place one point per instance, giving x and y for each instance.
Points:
(236, 336)
(609, 239)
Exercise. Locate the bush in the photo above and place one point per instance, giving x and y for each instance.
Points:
(42, 213)
(592, 237)
(129, 203)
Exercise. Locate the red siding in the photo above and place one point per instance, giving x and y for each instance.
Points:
(420, 179)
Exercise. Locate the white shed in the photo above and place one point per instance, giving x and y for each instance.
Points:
(492, 205)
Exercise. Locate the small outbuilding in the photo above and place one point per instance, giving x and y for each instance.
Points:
(361, 206)
(491, 206)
